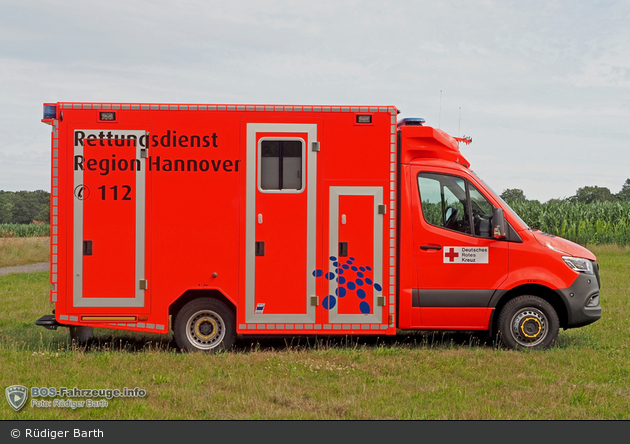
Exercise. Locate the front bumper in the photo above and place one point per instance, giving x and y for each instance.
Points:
(575, 297)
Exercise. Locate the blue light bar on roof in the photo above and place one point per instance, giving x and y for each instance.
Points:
(411, 121)
(50, 111)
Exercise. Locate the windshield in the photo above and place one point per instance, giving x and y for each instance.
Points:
(505, 205)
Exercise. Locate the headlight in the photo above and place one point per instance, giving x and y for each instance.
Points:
(579, 264)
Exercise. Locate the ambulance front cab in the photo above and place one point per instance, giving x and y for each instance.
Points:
(468, 261)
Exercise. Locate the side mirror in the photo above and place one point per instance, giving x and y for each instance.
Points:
(498, 223)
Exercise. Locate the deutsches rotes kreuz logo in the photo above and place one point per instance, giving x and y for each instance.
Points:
(17, 396)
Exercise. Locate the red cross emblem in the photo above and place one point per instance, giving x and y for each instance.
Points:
(451, 255)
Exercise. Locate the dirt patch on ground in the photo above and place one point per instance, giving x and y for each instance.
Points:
(41, 266)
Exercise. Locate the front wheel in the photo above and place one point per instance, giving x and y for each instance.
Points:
(528, 322)
(205, 324)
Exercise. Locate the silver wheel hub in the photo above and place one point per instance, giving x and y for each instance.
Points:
(205, 329)
(529, 327)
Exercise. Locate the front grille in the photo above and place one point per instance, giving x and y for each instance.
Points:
(596, 271)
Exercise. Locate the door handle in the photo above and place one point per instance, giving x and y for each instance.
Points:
(430, 247)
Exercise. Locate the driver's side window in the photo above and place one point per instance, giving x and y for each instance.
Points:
(443, 199)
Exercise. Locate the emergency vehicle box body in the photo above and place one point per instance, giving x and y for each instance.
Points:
(248, 203)
(300, 219)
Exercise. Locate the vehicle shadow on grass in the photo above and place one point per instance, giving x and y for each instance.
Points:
(138, 343)
(424, 340)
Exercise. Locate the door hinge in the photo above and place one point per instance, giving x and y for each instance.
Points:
(314, 301)
(382, 209)
(381, 301)
(315, 146)
(144, 284)
(144, 153)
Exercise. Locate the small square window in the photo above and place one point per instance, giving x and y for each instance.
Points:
(281, 164)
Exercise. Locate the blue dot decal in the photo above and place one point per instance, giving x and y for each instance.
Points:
(347, 287)
(364, 307)
(329, 302)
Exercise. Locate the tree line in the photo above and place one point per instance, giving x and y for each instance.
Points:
(585, 195)
(24, 207)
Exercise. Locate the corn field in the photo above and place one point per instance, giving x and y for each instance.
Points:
(24, 230)
(594, 223)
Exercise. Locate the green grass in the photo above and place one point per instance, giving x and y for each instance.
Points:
(416, 376)
(24, 251)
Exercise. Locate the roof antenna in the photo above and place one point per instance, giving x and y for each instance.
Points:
(440, 112)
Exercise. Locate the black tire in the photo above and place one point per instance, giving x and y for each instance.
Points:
(205, 324)
(528, 322)
(80, 335)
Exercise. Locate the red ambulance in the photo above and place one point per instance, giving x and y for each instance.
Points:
(218, 220)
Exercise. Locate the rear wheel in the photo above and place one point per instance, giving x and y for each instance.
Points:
(528, 322)
(205, 324)
(80, 335)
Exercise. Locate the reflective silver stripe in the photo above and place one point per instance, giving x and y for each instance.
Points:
(77, 255)
(333, 243)
(250, 215)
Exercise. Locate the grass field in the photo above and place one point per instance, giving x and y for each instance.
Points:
(418, 376)
(23, 250)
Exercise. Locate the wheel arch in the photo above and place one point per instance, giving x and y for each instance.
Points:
(546, 293)
(191, 295)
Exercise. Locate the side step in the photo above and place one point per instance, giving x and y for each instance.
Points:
(49, 322)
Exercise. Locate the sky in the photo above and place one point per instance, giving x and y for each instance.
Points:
(542, 87)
